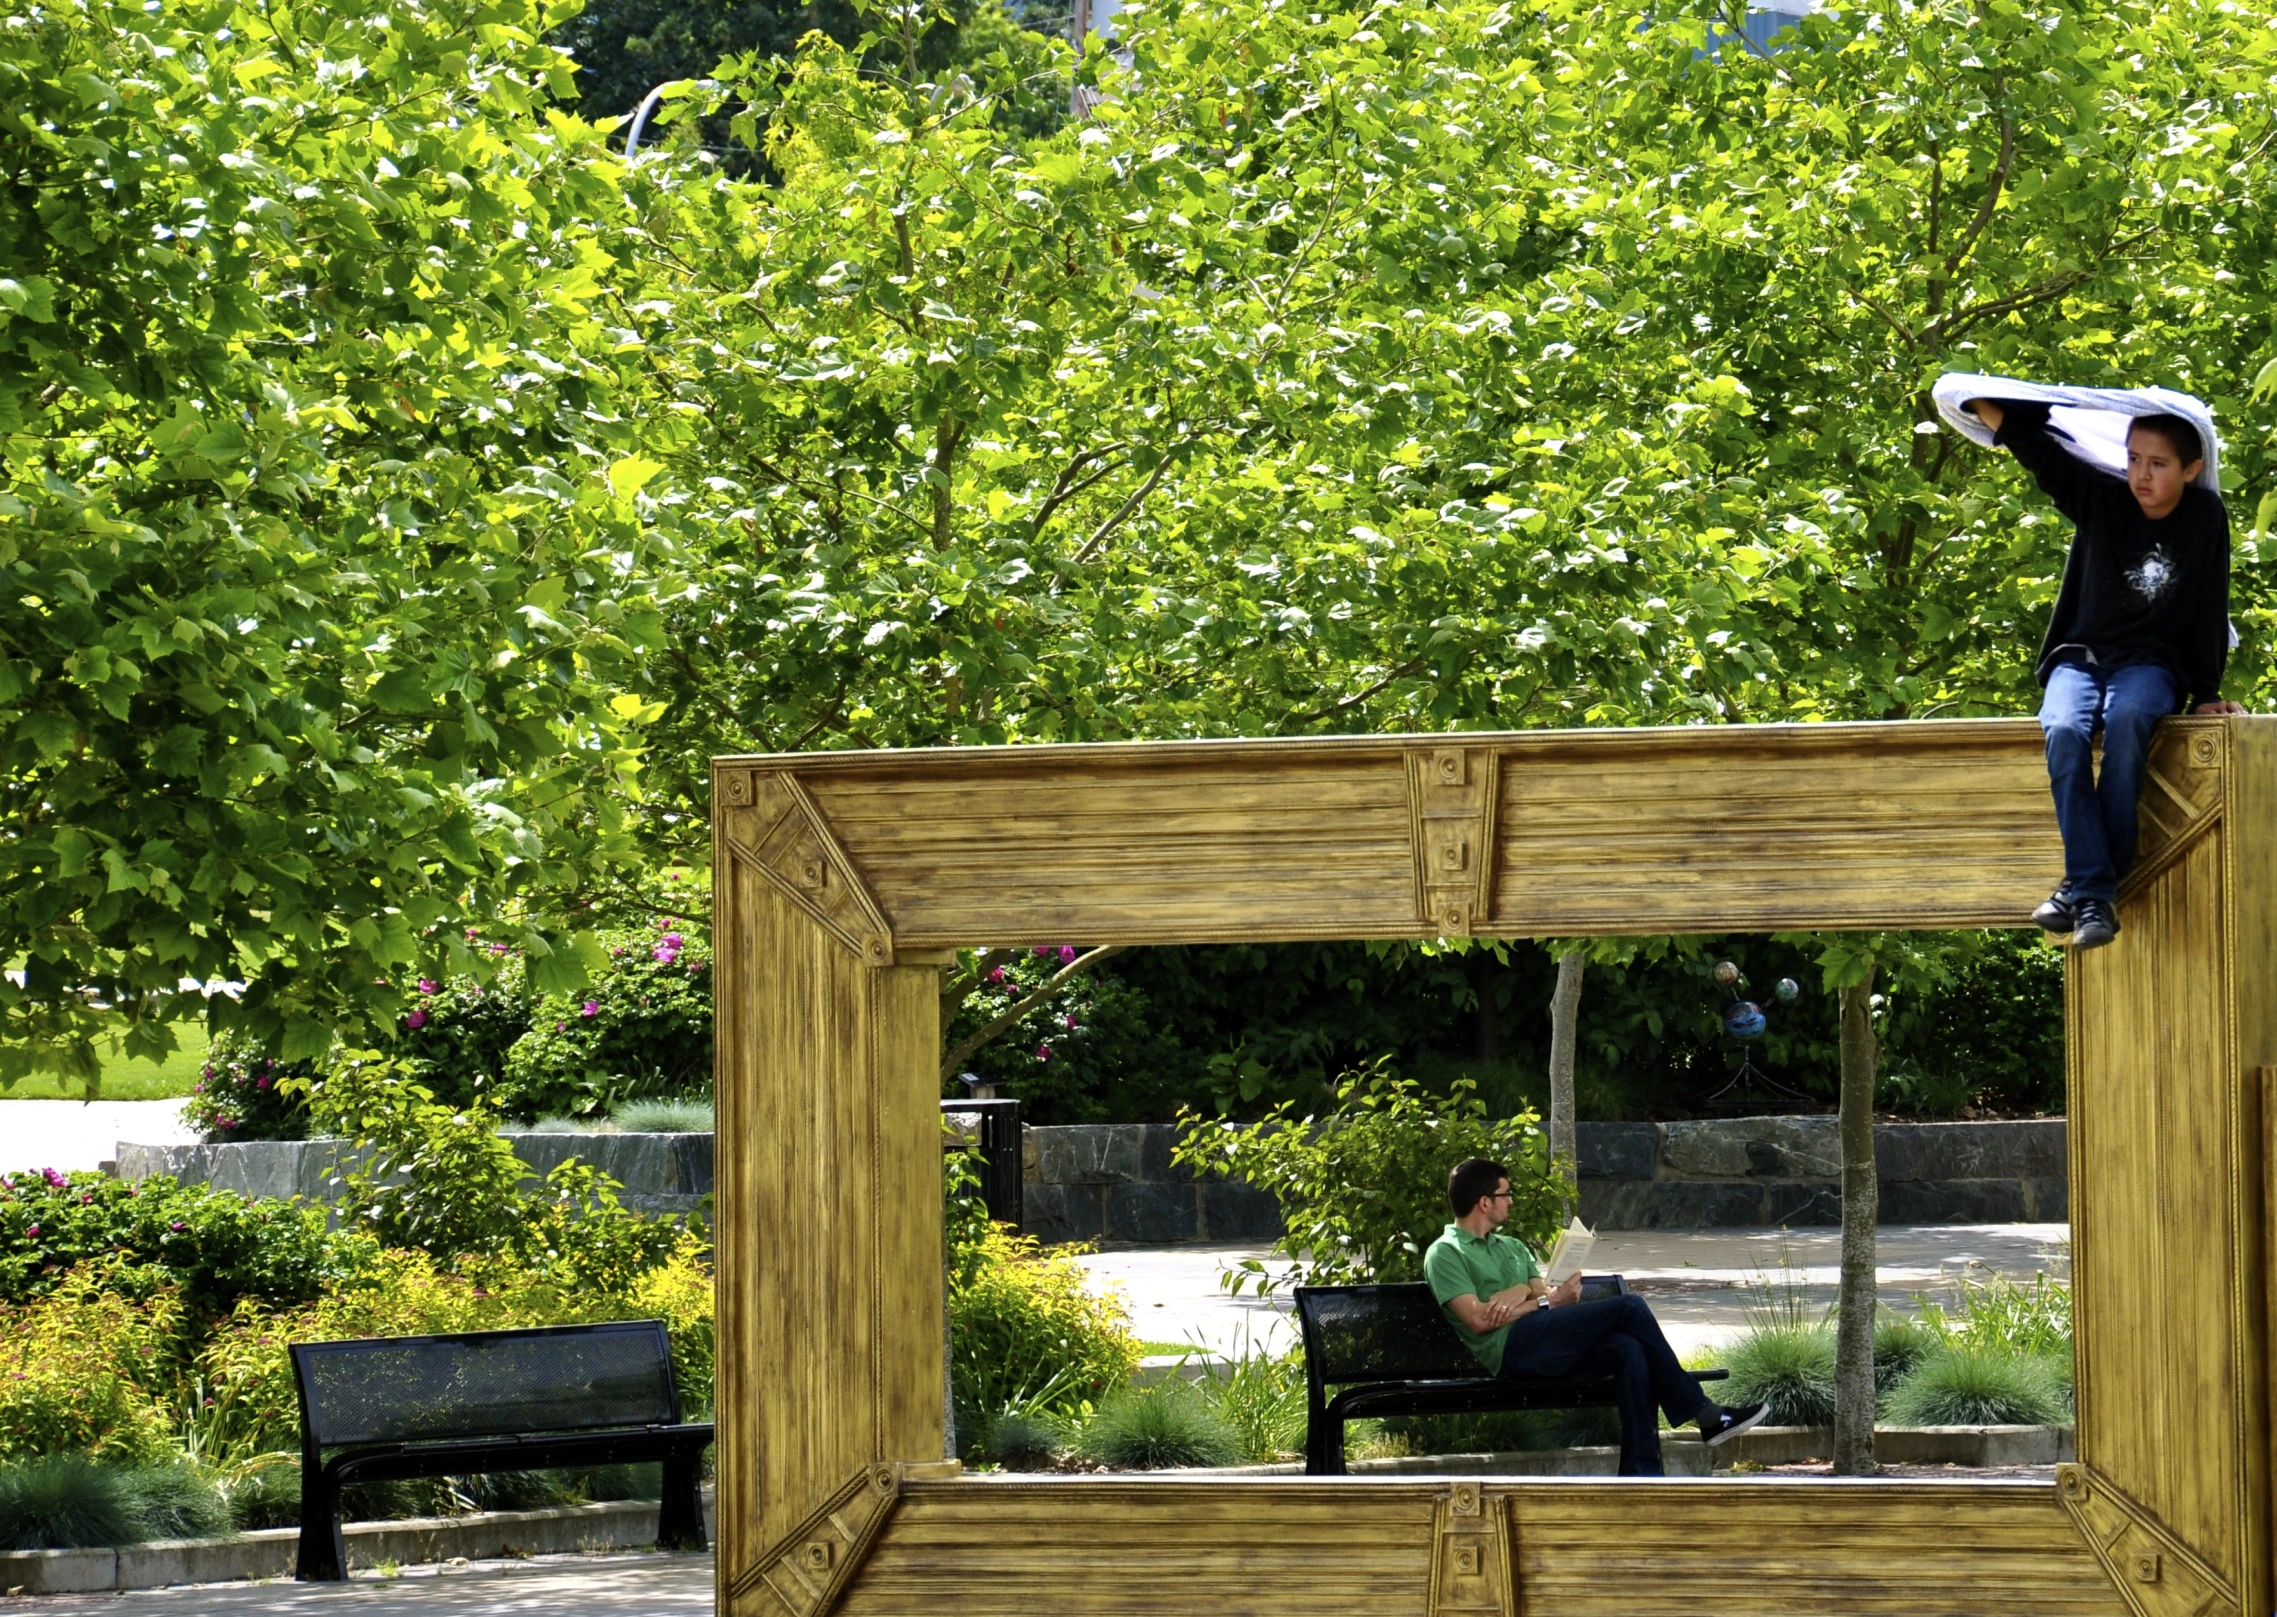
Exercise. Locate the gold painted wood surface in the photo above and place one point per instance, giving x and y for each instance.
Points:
(2167, 1171)
(1530, 834)
(840, 878)
(829, 1215)
(1420, 1548)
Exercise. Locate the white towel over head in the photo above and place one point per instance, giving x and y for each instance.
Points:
(2091, 422)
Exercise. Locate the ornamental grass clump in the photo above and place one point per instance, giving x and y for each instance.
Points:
(1789, 1367)
(1157, 1428)
(1981, 1386)
(66, 1502)
(1901, 1346)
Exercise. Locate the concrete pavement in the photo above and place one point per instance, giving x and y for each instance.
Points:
(69, 1134)
(1704, 1284)
(549, 1586)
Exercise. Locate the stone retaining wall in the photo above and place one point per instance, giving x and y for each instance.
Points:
(1115, 1182)
(660, 1173)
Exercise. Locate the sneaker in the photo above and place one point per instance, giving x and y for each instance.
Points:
(2093, 924)
(1721, 1425)
(2057, 913)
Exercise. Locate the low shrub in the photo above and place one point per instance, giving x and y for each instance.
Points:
(65, 1502)
(1999, 1313)
(1981, 1386)
(1027, 1333)
(1153, 1428)
(84, 1370)
(664, 1117)
(642, 1031)
(240, 1094)
(1263, 1400)
(216, 1245)
(1789, 1367)
(1363, 1190)
(1506, 1431)
(456, 1037)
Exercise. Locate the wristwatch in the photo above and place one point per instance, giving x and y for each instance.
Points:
(1541, 1302)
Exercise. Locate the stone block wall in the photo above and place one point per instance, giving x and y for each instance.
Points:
(1787, 1170)
(660, 1173)
(1114, 1182)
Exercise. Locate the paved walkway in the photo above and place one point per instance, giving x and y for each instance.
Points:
(68, 1134)
(1704, 1284)
(549, 1586)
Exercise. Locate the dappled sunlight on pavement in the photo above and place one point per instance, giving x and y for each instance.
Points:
(548, 1586)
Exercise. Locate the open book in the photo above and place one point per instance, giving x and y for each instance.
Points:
(1570, 1253)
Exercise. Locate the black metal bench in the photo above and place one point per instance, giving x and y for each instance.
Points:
(395, 1407)
(1392, 1351)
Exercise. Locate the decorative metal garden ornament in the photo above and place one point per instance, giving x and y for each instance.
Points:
(1751, 1088)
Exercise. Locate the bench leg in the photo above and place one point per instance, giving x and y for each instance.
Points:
(680, 1515)
(1324, 1445)
(323, 1554)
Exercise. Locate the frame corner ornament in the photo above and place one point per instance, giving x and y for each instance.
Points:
(778, 831)
(2153, 1572)
(1472, 1569)
(805, 1574)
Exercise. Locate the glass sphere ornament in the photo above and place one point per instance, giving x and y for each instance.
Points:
(1744, 1020)
(1726, 973)
(1788, 989)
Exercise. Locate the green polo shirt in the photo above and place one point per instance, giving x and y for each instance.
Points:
(1460, 1264)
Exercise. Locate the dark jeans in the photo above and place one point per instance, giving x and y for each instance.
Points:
(1614, 1336)
(2097, 818)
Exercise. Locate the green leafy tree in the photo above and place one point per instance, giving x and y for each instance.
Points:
(322, 509)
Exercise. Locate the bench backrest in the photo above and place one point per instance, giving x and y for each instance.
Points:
(555, 1378)
(1393, 1333)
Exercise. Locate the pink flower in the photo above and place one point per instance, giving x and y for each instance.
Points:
(1071, 1022)
(498, 948)
(206, 1071)
(263, 1081)
(664, 956)
(32, 1230)
(1066, 953)
(673, 940)
(177, 1225)
(695, 965)
(53, 1178)
(1042, 951)
(996, 975)
(561, 1027)
(415, 1021)
(470, 934)
(1043, 1052)
(427, 985)
(591, 1007)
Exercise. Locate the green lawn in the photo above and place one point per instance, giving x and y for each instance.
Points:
(124, 1079)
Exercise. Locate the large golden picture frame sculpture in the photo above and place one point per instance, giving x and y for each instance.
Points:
(843, 880)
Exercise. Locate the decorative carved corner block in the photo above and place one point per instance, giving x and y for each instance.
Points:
(780, 832)
(2182, 791)
(2154, 1572)
(1451, 793)
(1471, 1563)
(804, 1575)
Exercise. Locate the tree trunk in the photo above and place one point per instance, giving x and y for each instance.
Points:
(1854, 1319)
(1565, 1018)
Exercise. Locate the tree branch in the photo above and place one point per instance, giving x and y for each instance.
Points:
(1403, 670)
(1993, 187)
(1065, 488)
(1099, 535)
(961, 1052)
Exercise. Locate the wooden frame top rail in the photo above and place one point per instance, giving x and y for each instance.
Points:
(1520, 834)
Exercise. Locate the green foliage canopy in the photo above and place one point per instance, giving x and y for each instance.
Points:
(321, 510)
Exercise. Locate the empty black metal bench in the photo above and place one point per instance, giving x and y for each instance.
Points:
(1392, 1352)
(393, 1407)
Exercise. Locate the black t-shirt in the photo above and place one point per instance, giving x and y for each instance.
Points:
(2135, 590)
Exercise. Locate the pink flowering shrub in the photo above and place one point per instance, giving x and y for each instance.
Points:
(237, 1097)
(641, 1031)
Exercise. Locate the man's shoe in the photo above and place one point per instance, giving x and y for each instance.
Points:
(2058, 913)
(1722, 1425)
(2093, 924)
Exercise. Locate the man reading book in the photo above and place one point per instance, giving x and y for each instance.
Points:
(1518, 1325)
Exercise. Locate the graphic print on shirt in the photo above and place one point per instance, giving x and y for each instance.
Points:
(2154, 575)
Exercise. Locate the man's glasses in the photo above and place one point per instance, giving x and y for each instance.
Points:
(1499, 1195)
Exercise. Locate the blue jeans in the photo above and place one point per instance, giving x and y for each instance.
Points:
(1614, 1336)
(2097, 817)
